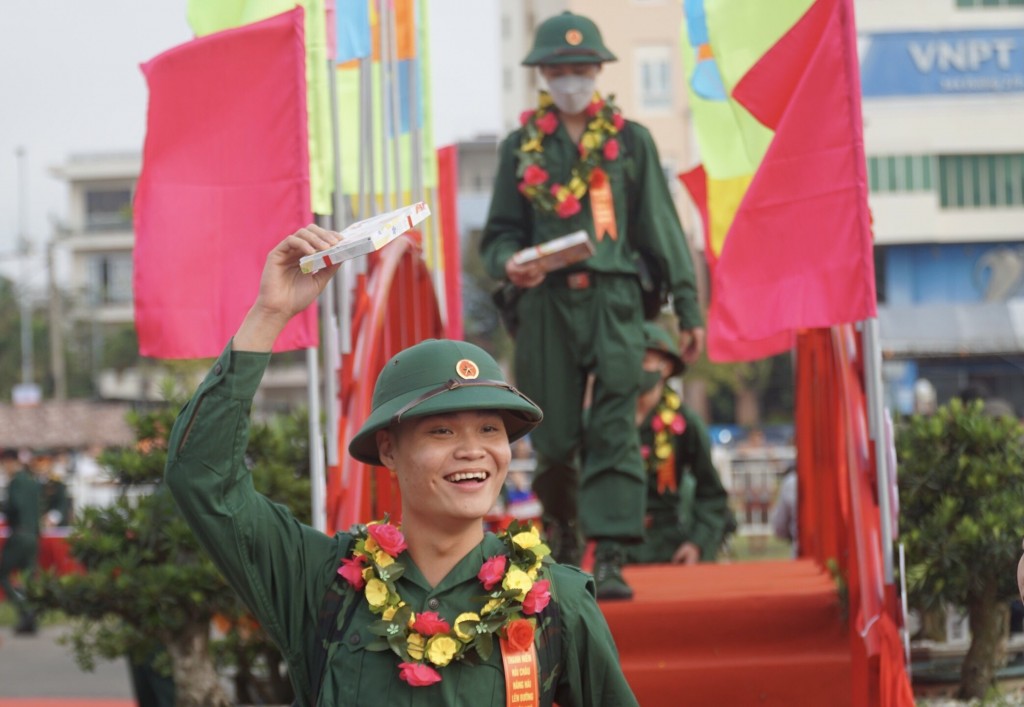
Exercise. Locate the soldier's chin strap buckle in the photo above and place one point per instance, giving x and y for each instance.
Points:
(454, 384)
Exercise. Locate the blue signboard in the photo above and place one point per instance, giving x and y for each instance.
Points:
(937, 63)
(959, 273)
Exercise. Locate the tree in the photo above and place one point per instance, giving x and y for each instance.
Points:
(961, 478)
(147, 585)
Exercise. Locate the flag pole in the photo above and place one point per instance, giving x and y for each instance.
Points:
(876, 429)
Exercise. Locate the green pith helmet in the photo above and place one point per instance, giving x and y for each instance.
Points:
(568, 39)
(657, 339)
(437, 376)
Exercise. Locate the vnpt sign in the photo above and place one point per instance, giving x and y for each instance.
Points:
(918, 63)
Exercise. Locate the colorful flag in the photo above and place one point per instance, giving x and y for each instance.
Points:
(786, 195)
(209, 205)
(353, 30)
(207, 16)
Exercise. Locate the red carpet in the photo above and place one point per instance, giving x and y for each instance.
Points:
(731, 635)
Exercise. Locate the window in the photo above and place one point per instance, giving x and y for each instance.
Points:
(108, 209)
(111, 279)
(654, 78)
(981, 181)
(900, 173)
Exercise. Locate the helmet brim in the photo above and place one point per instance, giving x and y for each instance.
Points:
(519, 413)
(575, 55)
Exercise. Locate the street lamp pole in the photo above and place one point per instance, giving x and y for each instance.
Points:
(23, 249)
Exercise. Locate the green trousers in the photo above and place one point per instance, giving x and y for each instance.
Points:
(566, 334)
(18, 555)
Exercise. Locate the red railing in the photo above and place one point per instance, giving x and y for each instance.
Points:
(396, 307)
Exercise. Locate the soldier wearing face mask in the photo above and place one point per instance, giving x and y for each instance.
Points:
(576, 163)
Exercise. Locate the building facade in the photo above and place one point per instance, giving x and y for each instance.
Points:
(943, 101)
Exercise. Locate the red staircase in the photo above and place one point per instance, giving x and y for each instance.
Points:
(757, 633)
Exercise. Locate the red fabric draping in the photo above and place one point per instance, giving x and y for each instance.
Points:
(839, 521)
(225, 176)
(448, 184)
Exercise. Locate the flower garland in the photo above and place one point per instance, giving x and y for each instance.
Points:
(514, 586)
(597, 144)
(666, 422)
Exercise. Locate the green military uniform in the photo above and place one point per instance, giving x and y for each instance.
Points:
(571, 325)
(283, 569)
(566, 333)
(22, 510)
(697, 509)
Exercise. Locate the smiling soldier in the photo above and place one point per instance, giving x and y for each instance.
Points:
(436, 612)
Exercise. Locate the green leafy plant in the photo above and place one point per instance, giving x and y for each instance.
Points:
(147, 589)
(961, 478)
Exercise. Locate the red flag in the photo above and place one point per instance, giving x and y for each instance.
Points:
(448, 182)
(799, 251)
(225, 176)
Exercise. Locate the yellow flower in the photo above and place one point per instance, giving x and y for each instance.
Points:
(545, 100)
(578, 188)
(465, 616)
(441, 649)
(371, 546)
(389, 613)
(590, 141)
(663, 450)
(490, 606)
(672, 399)
(376, 593)
(534, 568)
(415, 644)
(383, 559)
(561, 193)
(532, 145)
(517, 580)
(667, 416)
(529, 538)
(367, 573)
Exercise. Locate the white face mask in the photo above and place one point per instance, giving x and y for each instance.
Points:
(572, 93)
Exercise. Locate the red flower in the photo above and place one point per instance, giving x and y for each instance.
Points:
(535, 174)
(555, 188)
(679, 424)
(492, 571)
(598, 177)
(388, 537)
(595, 107)
(428, 623)
(618, 121)
(351, 571)
(645, 450)
(418, 674)
(548, 123)
(569, 207)
(611, 149)
(525, 116)
(519, 634)
(537, 598)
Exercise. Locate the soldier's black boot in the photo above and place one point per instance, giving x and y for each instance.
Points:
(609, 557)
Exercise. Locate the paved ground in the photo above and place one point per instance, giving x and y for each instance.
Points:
(39, 667)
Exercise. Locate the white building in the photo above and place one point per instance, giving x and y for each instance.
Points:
(943, 102)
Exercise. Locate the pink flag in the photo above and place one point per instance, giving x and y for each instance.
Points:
(799, 251)
(225, 176)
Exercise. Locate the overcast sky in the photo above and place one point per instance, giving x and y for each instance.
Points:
(70, 83)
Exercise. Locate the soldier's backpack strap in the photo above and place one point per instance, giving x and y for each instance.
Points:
(550, 654)
(336, 610)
